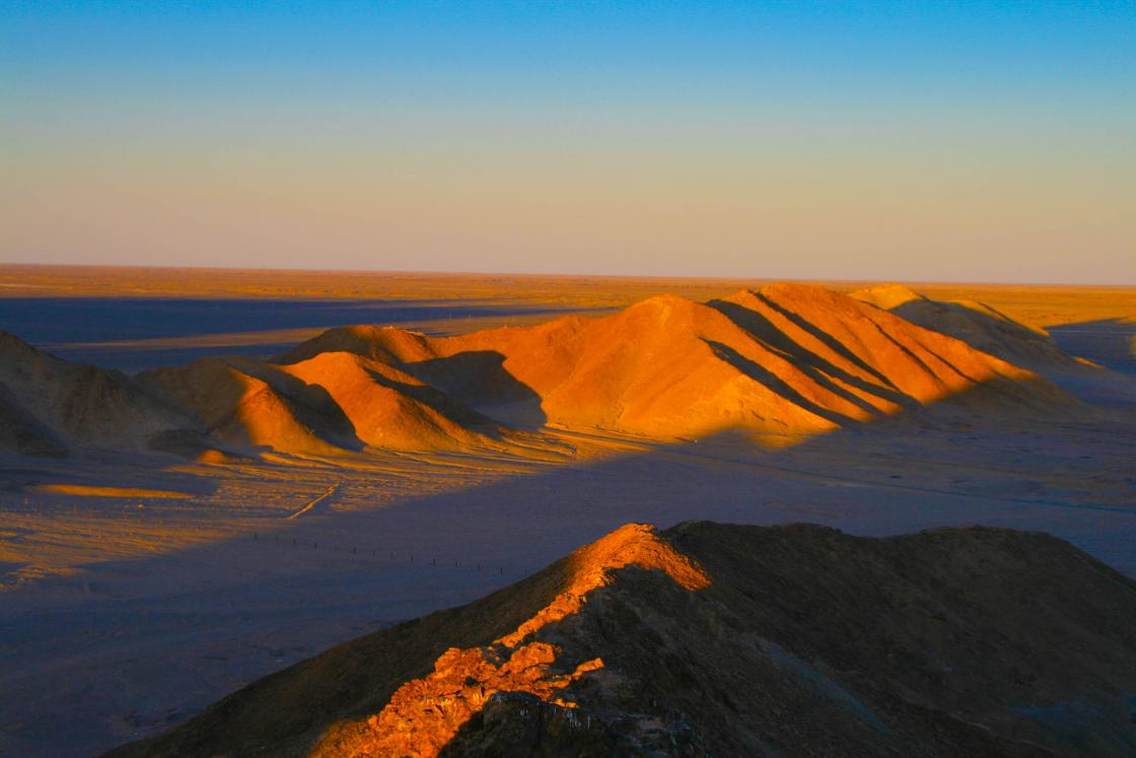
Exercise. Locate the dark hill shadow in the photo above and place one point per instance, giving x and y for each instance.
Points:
(997, 334)
(86, 329)
(1109, 342)
(516, 525)
(479, 380)
(812, 364)
(23, 433)
(301, 703)
(775, 384)
(311, 404)
(441, 403)
(834, 344)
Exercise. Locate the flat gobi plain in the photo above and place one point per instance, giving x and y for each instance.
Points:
(777, 517)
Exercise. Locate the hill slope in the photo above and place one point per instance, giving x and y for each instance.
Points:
(786, 359)
(728, 640)
(389, 408)
(975, 323)
(246, 403)
(329, 403)
(783, 361)
(48, 405)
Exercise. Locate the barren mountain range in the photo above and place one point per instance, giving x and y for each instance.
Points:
(781, 361)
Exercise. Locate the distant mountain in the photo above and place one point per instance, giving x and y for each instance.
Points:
(712, 639)
(784, 359)
(48, 405)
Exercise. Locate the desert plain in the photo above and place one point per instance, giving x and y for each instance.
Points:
(523, 416)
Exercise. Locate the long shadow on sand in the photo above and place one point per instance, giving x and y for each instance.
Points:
(479, 379)
(316, 574)
(476, 540)
(83, 329)
(1109, 342)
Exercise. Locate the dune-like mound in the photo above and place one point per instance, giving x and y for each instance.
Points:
(712, 639)
(975, 323)
(49, 404)
(249, 404)
(387, 344)
(389, 408)
(786, 359)
(331, 402)
(887, 296)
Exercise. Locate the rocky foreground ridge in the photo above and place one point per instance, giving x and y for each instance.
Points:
(715, 639)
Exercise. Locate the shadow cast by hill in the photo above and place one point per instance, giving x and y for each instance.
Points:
(431, 397)
(831, 342)
(768, 379)
(135, 333)
(479, 380)
(444, 549)
(1109, 342)
(817, 368)
(988, 330)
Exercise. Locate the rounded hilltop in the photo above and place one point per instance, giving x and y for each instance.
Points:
(887, 296)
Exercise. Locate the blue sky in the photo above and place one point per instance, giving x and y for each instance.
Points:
(972, 141)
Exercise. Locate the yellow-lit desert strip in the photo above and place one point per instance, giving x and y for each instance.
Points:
(88, 490)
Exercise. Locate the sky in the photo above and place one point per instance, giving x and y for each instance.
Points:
(916, 141)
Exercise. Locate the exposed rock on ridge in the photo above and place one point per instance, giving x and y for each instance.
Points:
(716, 639)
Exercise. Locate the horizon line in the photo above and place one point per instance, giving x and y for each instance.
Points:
(559, 275)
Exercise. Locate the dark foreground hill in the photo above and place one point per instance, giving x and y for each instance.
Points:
(711, 639)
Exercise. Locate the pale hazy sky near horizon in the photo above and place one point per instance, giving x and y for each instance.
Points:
(980, 141)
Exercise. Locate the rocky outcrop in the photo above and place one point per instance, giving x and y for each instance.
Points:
(713, 639)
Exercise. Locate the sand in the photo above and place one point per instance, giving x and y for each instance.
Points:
(164, 608)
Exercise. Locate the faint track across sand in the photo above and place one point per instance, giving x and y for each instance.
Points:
(313, 502)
